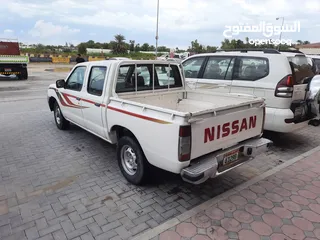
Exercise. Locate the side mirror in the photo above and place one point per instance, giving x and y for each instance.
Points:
(60, 83)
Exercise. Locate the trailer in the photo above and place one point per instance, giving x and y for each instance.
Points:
(11, 62)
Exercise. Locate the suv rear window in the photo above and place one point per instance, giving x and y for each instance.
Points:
(300, 68)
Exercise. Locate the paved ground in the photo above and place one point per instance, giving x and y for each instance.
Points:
(66, 184)
(283, 206)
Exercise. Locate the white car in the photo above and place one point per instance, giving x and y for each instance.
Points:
(275, 76)
(156, 122)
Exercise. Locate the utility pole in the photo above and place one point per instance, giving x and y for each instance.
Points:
(157, 28)
(281, 30)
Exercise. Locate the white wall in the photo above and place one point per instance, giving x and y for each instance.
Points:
(310, 50)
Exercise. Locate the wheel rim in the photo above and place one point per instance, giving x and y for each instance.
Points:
(129, 160)
(58, 115)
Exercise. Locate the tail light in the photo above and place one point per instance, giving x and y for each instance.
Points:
(184, 143)
(284, 88)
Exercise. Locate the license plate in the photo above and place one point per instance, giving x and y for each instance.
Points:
(7, 69)
(230, 157)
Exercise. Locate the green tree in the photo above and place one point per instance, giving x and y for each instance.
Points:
(145, 47)
(82, 48)
(132, 45)
(152, 48)
(137, 48)
(163, 49)
(210, 49)
(196, 47)
(119, 45)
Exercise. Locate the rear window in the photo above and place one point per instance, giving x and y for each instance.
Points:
(300, 68)
(162, 76)
(251, 68)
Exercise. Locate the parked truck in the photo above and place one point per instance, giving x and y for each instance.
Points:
(156, 121)
(11, 63)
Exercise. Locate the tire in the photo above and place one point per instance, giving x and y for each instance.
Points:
(24, 74)
(61, 122)
(136, 173)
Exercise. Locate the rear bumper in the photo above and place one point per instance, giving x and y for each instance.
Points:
(208, 166)
(276, 120)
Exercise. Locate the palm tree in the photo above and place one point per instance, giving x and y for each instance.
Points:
(119, 45)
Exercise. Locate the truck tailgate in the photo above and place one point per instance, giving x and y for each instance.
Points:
(211, 133)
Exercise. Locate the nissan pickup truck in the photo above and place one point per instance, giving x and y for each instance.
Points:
(145, 108)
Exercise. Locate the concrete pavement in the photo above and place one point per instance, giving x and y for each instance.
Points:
(281, 204)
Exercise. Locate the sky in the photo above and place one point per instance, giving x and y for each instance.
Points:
(180, 21)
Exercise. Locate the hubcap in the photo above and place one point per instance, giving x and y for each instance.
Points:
(129, 160)
(58, 115)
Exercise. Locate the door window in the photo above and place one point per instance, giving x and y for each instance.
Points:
(191, 67)
(96, 80)
(75, 80)
(251, 68)
(218, 68)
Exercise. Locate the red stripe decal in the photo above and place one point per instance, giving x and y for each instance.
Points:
(139, 116)
(81, 99)
(68, 100)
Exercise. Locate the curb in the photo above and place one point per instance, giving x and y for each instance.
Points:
(151, 233)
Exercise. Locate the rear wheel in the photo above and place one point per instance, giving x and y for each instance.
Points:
(61, 122)
(23, 74)
(131, 160)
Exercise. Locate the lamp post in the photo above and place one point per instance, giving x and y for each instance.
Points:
(281, 30)
(157, 29)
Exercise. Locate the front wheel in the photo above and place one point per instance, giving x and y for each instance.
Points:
(61, 122)
(132, 161)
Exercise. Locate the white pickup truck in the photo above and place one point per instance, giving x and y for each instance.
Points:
(145, 108)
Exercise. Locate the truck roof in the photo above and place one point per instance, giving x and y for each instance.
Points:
(127, 61)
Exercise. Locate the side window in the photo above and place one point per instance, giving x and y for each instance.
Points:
(217, 68)
(96, 80)
(75, 80)
(251, 68)
(191, 67)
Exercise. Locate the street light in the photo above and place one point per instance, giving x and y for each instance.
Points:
(281, 30)
(157, 29)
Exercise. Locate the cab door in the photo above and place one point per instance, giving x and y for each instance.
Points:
(92, 104)
(71, 94)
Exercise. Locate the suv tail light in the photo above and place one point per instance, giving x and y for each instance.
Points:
(184, 143)
(284, 88)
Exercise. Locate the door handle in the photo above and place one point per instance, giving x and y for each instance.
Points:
(97, 104)
(78, 98)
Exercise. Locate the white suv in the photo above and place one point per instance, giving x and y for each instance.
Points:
(278, 77)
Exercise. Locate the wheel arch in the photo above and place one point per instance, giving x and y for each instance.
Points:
(51, 102)
(118, 131)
